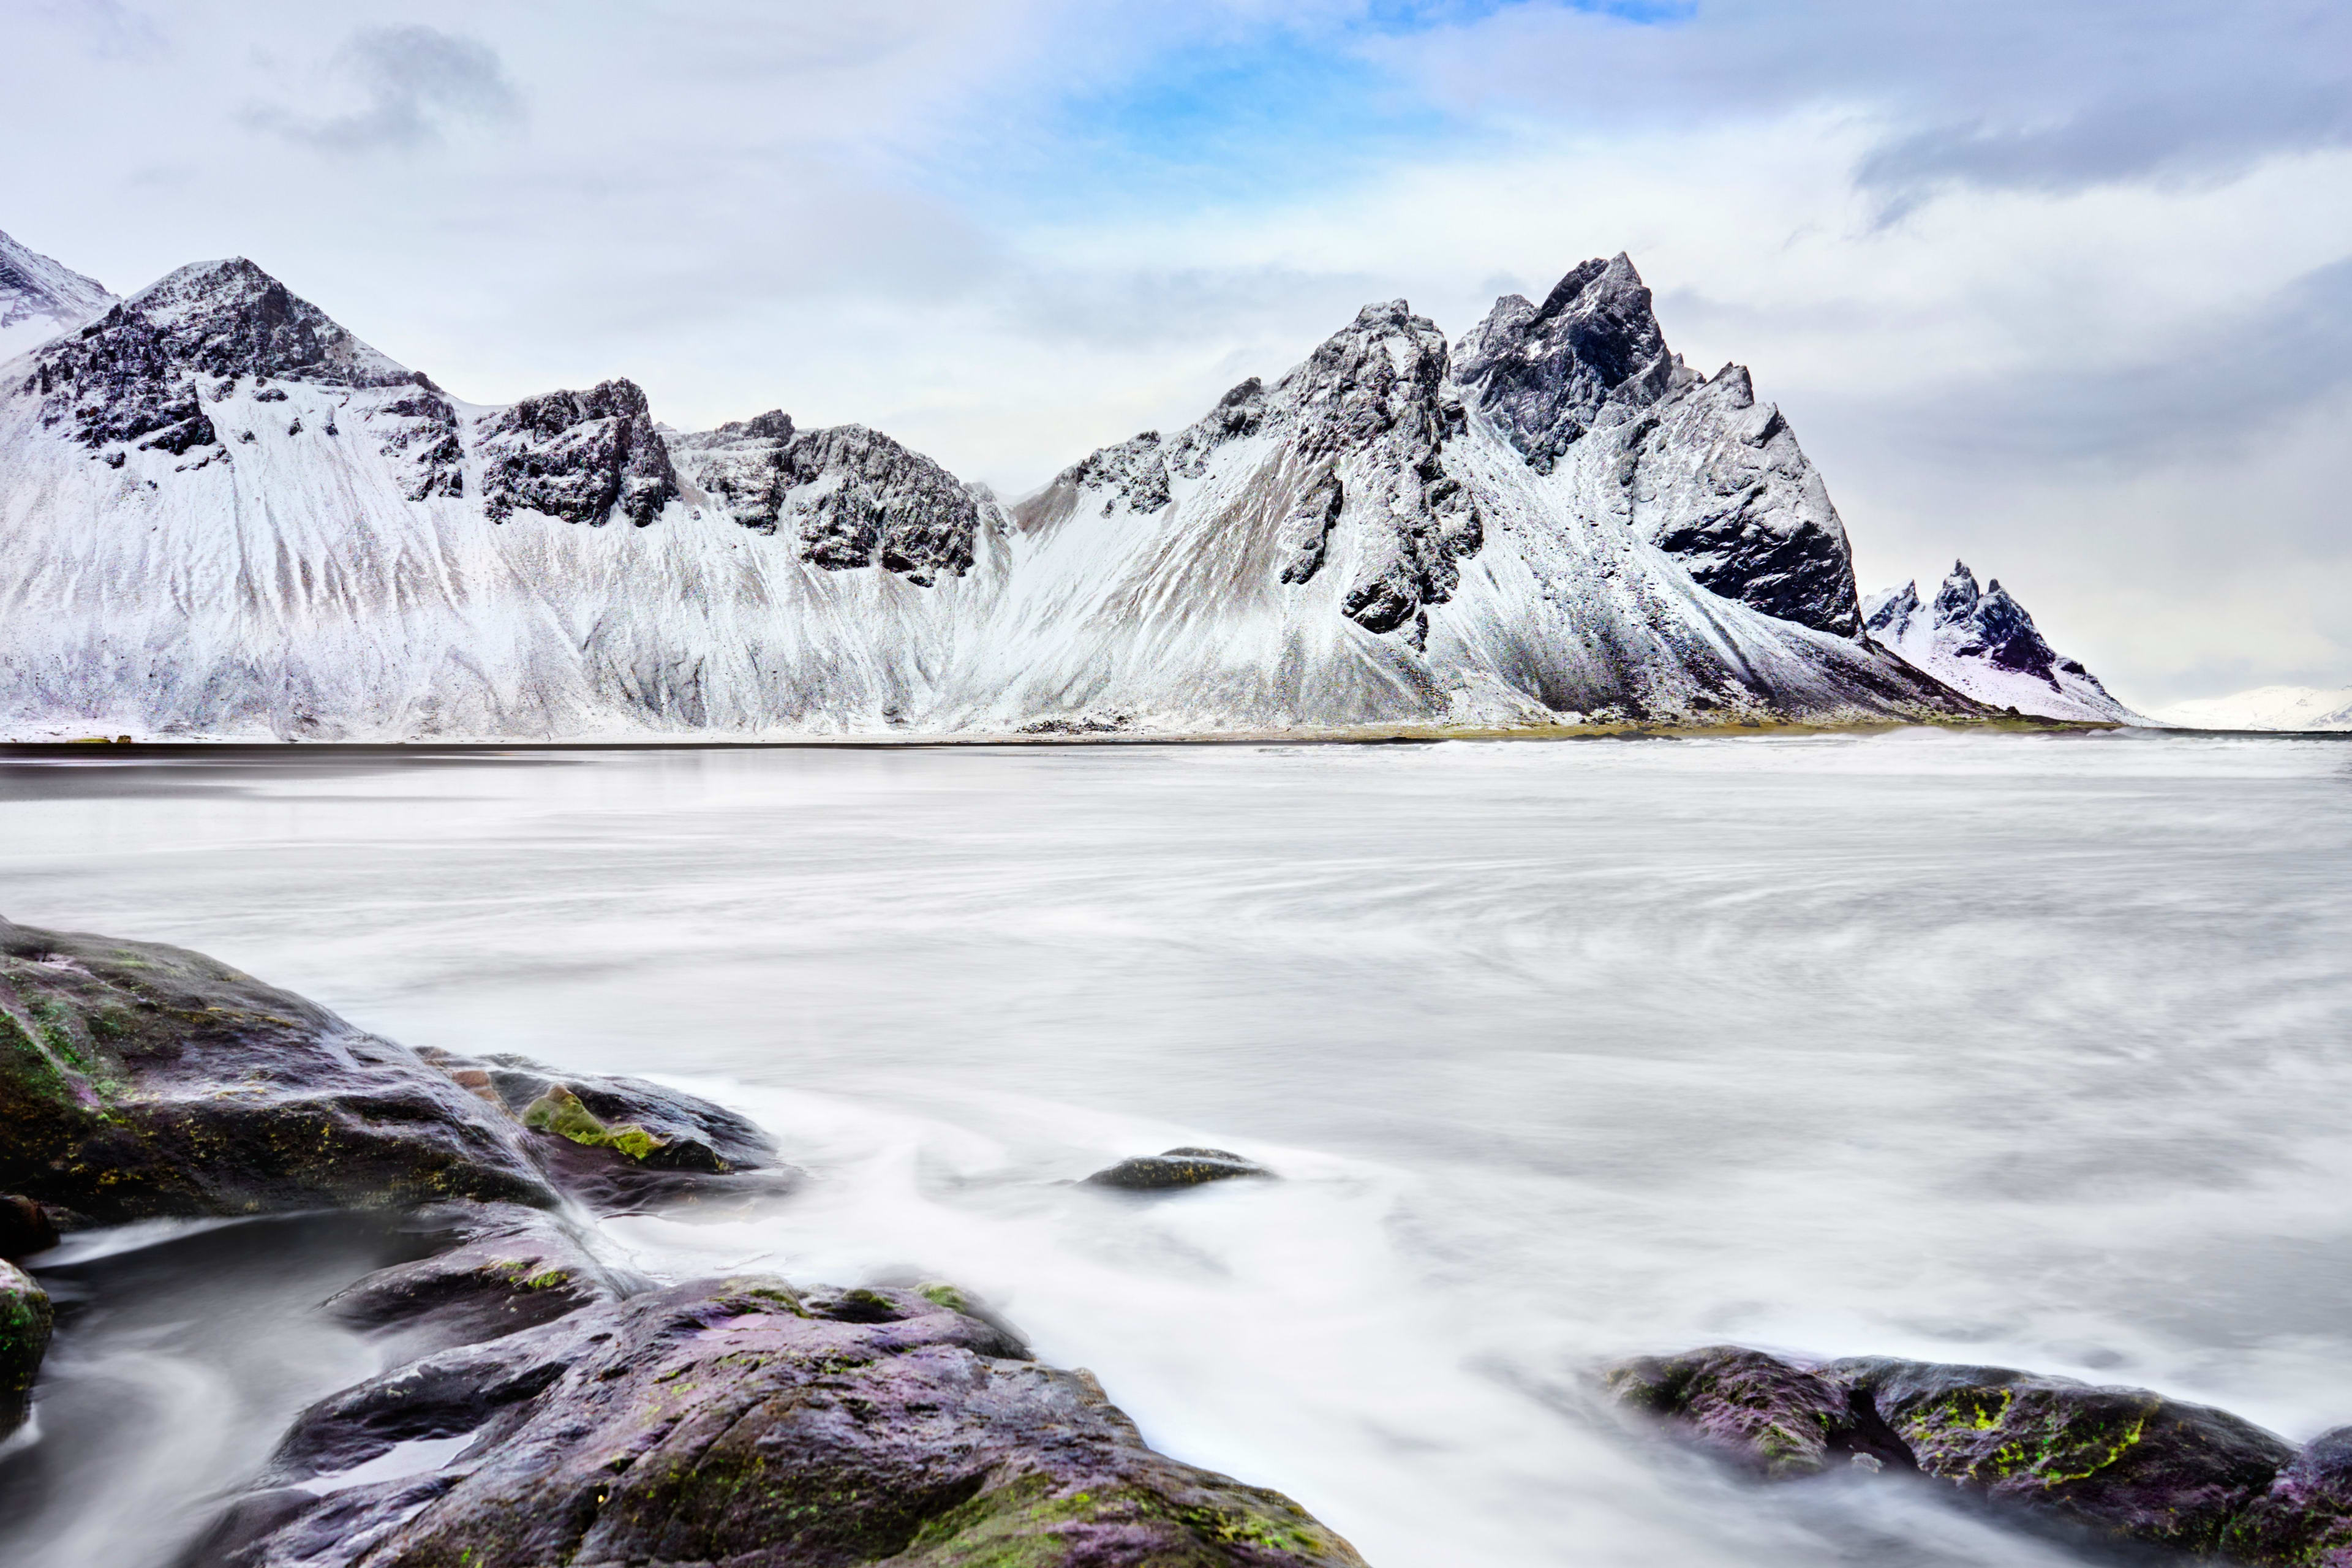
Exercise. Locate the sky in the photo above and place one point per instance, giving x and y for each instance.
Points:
(2063, 287)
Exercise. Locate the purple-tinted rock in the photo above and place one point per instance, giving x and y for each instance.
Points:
(744, 1423)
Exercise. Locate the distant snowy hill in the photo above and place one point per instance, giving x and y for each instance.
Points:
(2266, 708)
(1982, 642)
(220, 514)
(40, 299)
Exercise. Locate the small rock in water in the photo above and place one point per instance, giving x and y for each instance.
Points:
(1176, 1168)
(25, 1322)
(25, 1228)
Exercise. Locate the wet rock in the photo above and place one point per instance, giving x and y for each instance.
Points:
(743, 1422)
(1176, 1168)
(621, 1145)
(24, 1321)
(140, 1080)
(503, 1268)
(2124, 1464)
(1758, 1412)
(2304, 1519)
(25, 1228)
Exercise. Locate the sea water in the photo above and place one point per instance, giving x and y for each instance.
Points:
(2030, 1049)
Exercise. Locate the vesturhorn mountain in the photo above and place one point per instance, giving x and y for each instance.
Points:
(220, 514)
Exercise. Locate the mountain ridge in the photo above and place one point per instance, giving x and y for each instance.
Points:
(232, 517)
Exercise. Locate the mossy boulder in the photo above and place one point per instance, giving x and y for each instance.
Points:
(25, 1322)
(2124, 1462)
(744, 1421)
(1176, 1168)
(139, 1081)
(621, 1145)
(2121, 1464)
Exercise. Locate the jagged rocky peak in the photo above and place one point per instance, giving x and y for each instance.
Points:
(143, 372)
(40, 298)
(1590, 354)
(853, 497)
(579, 456)
(1983, 641)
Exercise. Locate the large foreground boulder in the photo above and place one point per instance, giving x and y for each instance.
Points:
(2121, 1464)
(139, 1081)
(746, 1423)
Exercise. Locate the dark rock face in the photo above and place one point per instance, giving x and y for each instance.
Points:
(742, 1422)
(1176, 1168)
(579, 456)
(138, 374)
(139, 1081)
(423, 429)
(2122, 1463)
(24, 1321)
(1714, 477)
(856, 497)
(1546, 374)
(25, 1228)
(1994, 628)
(1376, 396)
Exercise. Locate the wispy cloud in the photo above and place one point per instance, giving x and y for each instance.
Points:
(415, 83)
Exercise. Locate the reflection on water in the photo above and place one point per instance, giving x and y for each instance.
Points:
(1981, 1046)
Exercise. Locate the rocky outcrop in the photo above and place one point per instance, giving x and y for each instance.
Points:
(1982, 642)
(582, 456)
(2121, 1464)
(853, 497)
(1176, 1168)
(143, 373)
(1710, 476)
(24, 1324)
(745, 1421)
(1590, 354)
(421, 430)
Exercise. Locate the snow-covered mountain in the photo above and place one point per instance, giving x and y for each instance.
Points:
(40, 299)
(2266, 708)
(221, 515)
(1982, 642)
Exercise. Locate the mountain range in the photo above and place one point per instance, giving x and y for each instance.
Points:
(222, 515)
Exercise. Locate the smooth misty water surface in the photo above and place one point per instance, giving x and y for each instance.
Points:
(1997, 1047)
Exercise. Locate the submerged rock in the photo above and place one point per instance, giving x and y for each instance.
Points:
(2121, 1463)
(744, 1422)
(1176, 1168)
(25, 1322)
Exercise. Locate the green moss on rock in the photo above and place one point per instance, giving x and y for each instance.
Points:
(560, 1111)
(25, 1323)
